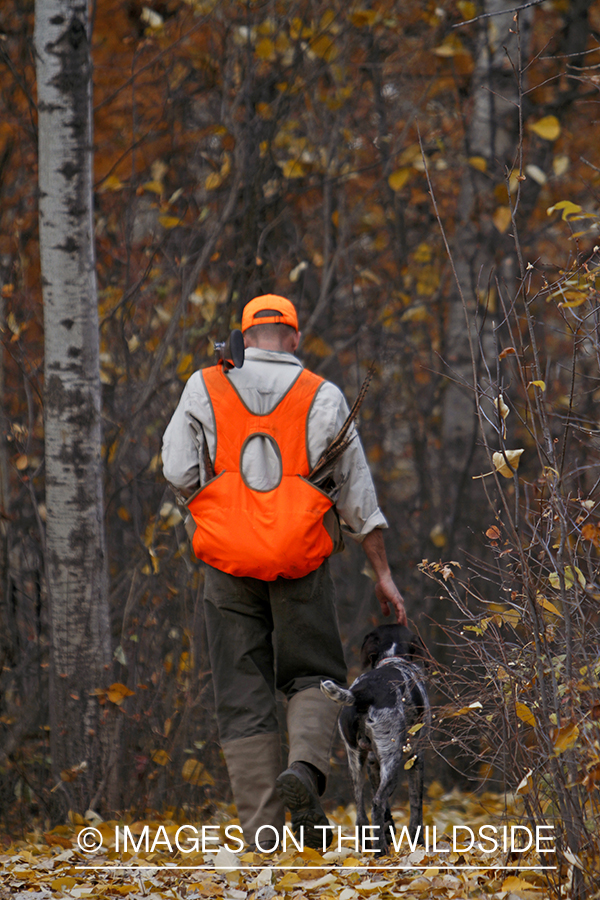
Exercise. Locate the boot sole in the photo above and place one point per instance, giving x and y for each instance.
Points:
(305, 809)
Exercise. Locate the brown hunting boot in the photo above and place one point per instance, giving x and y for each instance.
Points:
(298, 787)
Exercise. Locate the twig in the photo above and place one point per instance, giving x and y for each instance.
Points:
(499, 12)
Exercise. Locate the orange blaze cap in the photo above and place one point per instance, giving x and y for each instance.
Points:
(271, 310)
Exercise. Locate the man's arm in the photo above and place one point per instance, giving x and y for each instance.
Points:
(183, 441)
(385, 590)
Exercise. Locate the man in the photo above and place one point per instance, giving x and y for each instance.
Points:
(244, 441)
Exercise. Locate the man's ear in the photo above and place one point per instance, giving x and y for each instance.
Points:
(296, 341)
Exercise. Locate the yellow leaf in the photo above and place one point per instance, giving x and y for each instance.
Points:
(288, 880)
(315, 344)
(554, 579)
(264, 110)
(568, 209)
(524, 713)
(398, 179)
(154, 186)
(412, 153)
(22, 462)
(500, 463)
(546, 604)
(265, 49)
(511, 617)
(479, 163)
(324, 48)
(414, 728)
(14, 326)
(547, 128)
(466, 709)
(112, 183)
(423, 253)
(185, 367)
(186, 662)
(117, 692)
(416, 313)
(410, 762)
(467, 8)
(293, 168)
(569, 578)
(195, 773)
(169, 221)
(64, 883)
(438, 536)
(363, 17)
(451, 46)
(579, 299)
(540, 384)
(161, 757)
(565, 737)
(213, 181)
(513, 883)
(502, 219)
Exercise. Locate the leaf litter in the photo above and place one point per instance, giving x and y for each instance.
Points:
(51, 865)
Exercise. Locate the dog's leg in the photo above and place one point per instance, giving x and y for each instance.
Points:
(381, 801)
(415, 796)
(385, 734)
(356, 762)
(375, 780)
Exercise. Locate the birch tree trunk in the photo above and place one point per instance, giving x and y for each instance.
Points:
(75, 543)
(481, 252)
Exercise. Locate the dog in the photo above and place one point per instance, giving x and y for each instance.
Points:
(377, 724)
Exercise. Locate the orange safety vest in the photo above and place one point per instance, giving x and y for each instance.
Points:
(248, 532)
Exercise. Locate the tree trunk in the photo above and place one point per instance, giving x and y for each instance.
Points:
(481, 252)
(75, 544)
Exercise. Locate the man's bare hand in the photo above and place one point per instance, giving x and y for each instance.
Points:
(390, 599)
(386, 591)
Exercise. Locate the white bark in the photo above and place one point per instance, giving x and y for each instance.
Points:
(493, 134)
(76, 556)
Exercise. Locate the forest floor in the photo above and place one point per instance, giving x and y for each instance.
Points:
(52, 864)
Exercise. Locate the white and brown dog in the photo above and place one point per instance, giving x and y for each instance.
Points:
(378, 725)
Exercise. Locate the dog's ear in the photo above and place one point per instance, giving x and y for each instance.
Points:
(369, 652)
(418, 651)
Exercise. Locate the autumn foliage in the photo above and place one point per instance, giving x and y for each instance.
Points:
(326, 152)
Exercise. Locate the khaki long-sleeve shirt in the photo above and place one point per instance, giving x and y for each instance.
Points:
(261, 383)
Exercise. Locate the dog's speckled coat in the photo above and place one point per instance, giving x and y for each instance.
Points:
(380, 708)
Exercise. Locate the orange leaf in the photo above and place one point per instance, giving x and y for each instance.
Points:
(591, 532)
(117, 693)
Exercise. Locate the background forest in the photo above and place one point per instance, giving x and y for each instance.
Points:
(422, 181)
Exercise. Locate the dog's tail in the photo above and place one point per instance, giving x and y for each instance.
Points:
(337, 693)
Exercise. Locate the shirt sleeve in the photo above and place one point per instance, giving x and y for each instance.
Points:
(356, 501)
(183, 442)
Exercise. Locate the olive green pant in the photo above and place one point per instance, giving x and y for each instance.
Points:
(263, 637)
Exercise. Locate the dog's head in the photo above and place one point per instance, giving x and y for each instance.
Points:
(392, 640)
